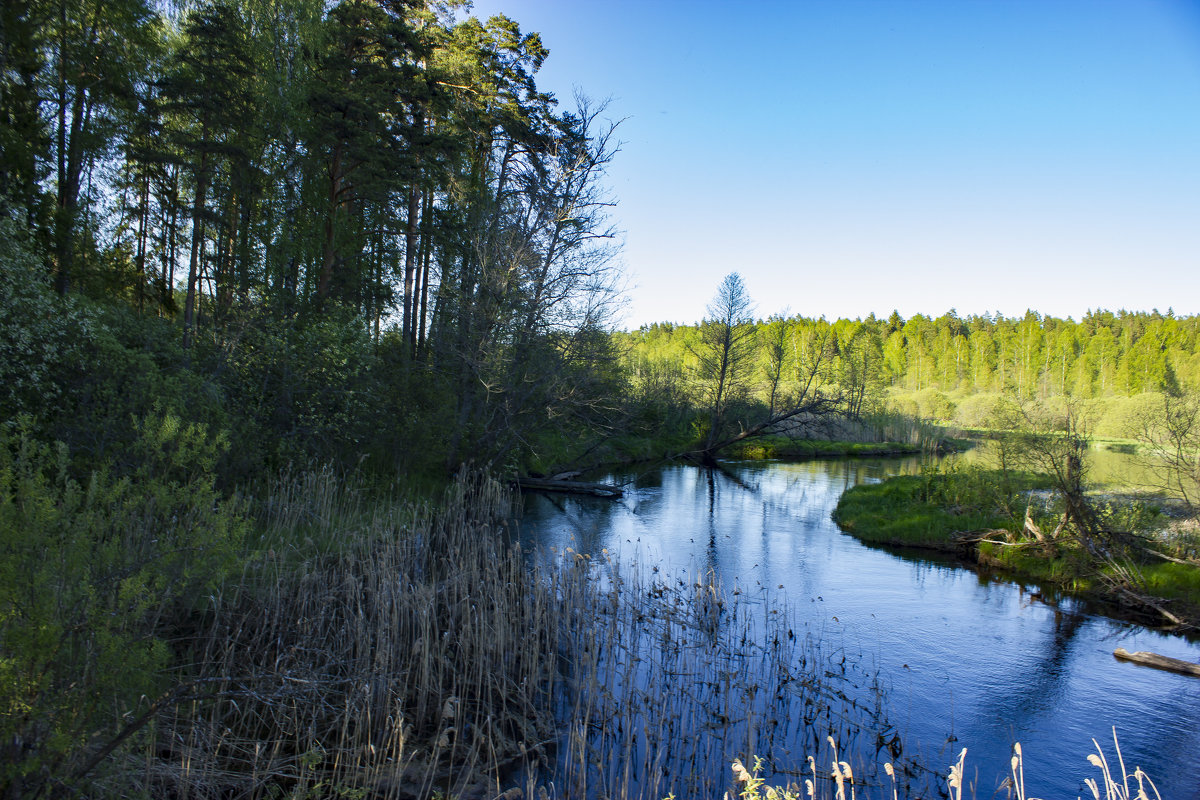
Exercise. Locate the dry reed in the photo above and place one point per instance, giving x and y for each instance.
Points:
(394, 650)
(417, 656)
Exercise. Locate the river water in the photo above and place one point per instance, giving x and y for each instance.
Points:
(965, 660)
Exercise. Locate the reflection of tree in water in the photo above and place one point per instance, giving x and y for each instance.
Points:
(588, 519)
(1045, 678)
(710, 552)
(712, 561)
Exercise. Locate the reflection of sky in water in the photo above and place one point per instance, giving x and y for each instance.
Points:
(969, 661)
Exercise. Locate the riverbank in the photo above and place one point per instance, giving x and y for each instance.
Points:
(979, 516)
(352, 642)
(784, 447)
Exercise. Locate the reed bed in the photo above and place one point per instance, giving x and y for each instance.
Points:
(875, 428)
(398, 650)
(417, 656)
(894, 427)
(674, 679)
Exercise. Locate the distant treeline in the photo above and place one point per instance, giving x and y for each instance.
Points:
(925, 364)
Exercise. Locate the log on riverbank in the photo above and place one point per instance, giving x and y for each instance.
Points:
(1158, 662)
(569, 486)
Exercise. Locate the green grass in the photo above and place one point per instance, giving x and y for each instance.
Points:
(933, 510)
(925, 510)
(1171, 581)
(785, 447)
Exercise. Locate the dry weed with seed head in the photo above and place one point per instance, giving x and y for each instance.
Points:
(955, 779)
(1108, 788)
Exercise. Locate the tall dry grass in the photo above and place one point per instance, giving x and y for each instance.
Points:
(397, 650)
(675, 677)
(419, 654)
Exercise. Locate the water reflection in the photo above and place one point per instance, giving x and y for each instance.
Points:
(968, 660)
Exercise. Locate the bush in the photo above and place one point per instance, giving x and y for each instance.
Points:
(302, 390)
(41, 334)
(979, 410)
(92, 572)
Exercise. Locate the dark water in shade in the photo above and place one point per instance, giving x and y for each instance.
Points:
(968, 661)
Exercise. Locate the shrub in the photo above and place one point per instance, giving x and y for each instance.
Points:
(92, 572)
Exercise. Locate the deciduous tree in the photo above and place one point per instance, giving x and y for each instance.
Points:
(725, 352)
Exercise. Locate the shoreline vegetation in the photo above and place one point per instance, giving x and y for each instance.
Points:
(340, 641)
(785, 448)
(1012, 522)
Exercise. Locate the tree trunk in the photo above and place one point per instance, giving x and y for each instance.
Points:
(426, 256)
(189, 304)
(328, 250)
(408, 321)
(70, 164)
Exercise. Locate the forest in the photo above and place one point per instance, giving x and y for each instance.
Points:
(362, 233)
(323, 220)
(291, 286)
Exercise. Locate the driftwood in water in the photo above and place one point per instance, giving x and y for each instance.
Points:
(573, 487)
(1158, 662)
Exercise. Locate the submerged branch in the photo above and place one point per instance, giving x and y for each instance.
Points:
(571, 486)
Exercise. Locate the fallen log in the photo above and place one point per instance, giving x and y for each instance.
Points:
(572, 487)
(1158, 662)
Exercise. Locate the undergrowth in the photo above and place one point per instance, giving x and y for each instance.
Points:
(321, 640)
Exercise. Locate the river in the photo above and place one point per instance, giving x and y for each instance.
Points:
(965, 660)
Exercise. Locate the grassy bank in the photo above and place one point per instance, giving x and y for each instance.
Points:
(930, 511)
(980, 515)
(786, 447)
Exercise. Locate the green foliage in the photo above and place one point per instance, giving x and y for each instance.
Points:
(41, 335)
(927, 510)
(785, 447)
(82, 371)
(302, 389)
(961, 370)
(93, 572)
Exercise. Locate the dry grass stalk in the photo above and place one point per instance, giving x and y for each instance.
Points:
(418, 656)
(427, 654)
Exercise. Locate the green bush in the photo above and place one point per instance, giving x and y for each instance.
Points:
(979, 410)
(92, 574)
(302, 390)
(41, 335)
(82, 371)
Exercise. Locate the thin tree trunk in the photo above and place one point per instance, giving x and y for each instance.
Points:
(170, 246)
(411, 262)
(329, 252)
(423, 276)
(143, 225)
(70, 172)
(408, 323)
(189, 304)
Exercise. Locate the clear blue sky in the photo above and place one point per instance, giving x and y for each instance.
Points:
(856, 157)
